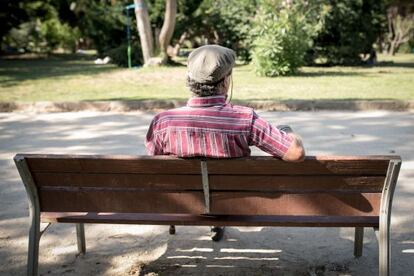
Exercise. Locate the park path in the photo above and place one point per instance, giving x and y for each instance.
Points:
(129, 250)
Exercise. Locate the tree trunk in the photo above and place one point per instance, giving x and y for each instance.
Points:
(176, 49)
(393, 43)
(157, 47)
(144, 29)
(167, 29)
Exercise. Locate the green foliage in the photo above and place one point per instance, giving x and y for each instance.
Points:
(43, 32)
(226, 23)
(406, 48)
(42, 36)
(119, 55)
(282, 34)
(156, 10)
(188, 19)
(53, 24)
(54, 34)
(351, 28)
(103, 22)
(12, 13)
(274, 32)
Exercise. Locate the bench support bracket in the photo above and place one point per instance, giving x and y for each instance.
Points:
(383, 233)
(206, 187)
(44, 229)
(34, 209)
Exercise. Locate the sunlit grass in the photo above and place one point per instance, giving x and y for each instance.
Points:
(74, 78)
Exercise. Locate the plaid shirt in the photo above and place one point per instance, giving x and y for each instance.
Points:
(209, 127)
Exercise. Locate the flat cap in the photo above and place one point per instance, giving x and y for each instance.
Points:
(210, 63)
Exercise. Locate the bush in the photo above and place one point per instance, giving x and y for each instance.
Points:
(43, 31)
(406, 48)
(351, 27)
(104, 23)
(54, 34)
(283, 33)
(231, 22)
(119, 55)
(42, 36)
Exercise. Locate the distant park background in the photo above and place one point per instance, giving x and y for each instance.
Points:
(65, 50)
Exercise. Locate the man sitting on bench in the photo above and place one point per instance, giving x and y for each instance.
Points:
(211, 127)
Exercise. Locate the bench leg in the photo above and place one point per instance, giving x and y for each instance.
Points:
(33, 254)
(80, 234)
(358, 241)
(34, 213)
(383, 238)
(172, 230)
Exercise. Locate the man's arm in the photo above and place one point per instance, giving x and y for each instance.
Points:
(277, 141)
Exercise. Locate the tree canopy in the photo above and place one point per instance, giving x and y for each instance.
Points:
(279, 34)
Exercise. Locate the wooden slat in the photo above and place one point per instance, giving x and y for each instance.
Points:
(308, 167)
(298, 183)
(217, 182)
(315, 204)
(185, 219)
(146, 166)
(224, 203)
(121, 201)
(355, 165)
(144, 181)
(168, 157)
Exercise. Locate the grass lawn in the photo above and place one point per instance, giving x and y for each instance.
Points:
(75, 78)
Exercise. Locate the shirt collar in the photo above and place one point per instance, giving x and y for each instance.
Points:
(206, 101)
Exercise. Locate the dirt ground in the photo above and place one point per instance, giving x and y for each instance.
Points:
(150, 250)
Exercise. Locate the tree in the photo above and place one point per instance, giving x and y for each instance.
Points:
(36, 26)
(350, 29)
(167, 29)
(163, 37)
(227, 23)
(400, 17)
(12, 13)
(144, 29)
(101, 23)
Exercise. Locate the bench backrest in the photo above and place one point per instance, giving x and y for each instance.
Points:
(320, 186)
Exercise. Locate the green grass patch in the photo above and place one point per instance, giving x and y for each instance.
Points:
(77, 78)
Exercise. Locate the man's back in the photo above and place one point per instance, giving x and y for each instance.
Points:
(209, 127)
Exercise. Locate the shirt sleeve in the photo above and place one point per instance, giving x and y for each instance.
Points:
(268, 138)
(152, 143)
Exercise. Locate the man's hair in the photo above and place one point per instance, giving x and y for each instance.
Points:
(204, 89)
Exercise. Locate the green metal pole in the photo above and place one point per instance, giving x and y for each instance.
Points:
(129, 38)
(129, 55)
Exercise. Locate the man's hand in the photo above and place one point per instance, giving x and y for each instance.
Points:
(296, 152)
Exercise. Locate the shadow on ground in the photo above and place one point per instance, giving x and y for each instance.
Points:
(13, 71)
(395, 64)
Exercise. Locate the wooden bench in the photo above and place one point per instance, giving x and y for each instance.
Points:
(323, 191)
